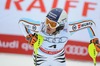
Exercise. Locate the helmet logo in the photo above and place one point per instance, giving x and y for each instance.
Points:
(52, 15)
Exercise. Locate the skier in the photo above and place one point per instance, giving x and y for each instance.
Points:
(55, 32)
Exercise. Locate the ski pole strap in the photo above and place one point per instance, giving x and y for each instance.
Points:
(92, 52)
(90, 26)
(38, 43)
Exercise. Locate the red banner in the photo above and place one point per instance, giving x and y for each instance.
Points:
(78, 50)
(17, 44)
(14, 44)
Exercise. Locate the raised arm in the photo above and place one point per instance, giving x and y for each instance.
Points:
(84, 24)
(94, 46)
(30, 29)
(29, 26)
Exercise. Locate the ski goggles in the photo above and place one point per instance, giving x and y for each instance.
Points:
(51, 23)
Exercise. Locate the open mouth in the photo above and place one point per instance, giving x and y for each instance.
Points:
(48, 29)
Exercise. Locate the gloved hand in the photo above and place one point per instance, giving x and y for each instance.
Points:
(31, 38)
(96, 43)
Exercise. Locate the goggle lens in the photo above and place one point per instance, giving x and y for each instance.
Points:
(51, 23)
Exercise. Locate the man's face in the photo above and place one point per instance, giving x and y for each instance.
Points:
(50, 26)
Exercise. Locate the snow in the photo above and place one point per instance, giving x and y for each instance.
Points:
(7, 59)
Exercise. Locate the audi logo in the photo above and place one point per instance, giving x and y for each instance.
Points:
(76, 50)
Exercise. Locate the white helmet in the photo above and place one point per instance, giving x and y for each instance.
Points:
(58, 15)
